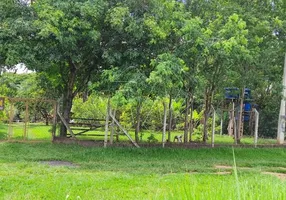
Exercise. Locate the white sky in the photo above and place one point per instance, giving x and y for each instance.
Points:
(20, 69)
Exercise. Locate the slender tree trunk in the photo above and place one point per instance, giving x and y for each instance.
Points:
(206, 115)
(170, 118)
(85, 95)
(138, 121)
(47, 120)
(186, 127)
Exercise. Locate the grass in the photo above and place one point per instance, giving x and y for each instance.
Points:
(39, 131)
(35, 131)
(129, 173)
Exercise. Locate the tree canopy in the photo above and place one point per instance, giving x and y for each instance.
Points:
(190, 49)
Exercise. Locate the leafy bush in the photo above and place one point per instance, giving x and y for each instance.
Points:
(152, 139)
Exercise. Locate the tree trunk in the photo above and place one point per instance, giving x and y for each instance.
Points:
(206, 115)
(67, 105)
(47, 120)
(186, 126)
(68, 99)
(85, 95)
(170, 118)
(138, 122)
(213, 127)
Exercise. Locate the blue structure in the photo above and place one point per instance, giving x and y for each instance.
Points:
(233, 94)
(247, 93)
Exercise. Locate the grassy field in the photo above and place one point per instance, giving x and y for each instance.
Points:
(57, 171)
(39, 131)
(35, 131)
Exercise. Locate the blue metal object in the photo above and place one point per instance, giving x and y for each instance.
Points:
(246, 118)
(247, 106)
(247, 93)
(231, 93)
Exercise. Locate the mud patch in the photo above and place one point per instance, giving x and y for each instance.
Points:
(58, 163)
(223, 173)
(229, 167)
(281, 176)
(223, 167)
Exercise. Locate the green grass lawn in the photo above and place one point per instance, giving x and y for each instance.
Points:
(129, 173)
(35, 131)
(39, 131)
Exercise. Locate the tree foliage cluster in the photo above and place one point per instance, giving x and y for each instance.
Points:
(141, 52)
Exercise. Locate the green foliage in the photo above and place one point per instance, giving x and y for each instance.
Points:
(160, 173)
(93, 108)
(15, 32)
(167, 74)
(136, 50)
(152, 139)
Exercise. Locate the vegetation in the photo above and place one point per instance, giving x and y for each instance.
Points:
(174, 56)
(27, 171)
(160, 67)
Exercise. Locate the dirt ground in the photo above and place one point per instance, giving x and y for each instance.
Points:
(96, 143)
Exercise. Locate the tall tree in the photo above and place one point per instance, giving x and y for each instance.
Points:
(68, 45)
(167, 77)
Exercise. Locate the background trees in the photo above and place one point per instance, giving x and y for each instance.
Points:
(186, 51)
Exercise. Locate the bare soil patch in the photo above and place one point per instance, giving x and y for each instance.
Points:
(57, 163)
(281, 176)
(222, 173)
(189, 145)
(229, 167)
(223, 167)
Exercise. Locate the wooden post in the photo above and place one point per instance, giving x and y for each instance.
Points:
(213, 126)
(112, 128)
(25, 136)
(282, 113)
(164, 124)
(221, 123)
(65, 123)
(240, 122)
(256, 127)
(191, 119)
(234, 124)
(10, 131)
(125, 132)
(170, 118)
(106, 122)
(186, 126)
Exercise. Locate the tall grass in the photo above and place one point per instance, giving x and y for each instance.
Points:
(253, 186)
